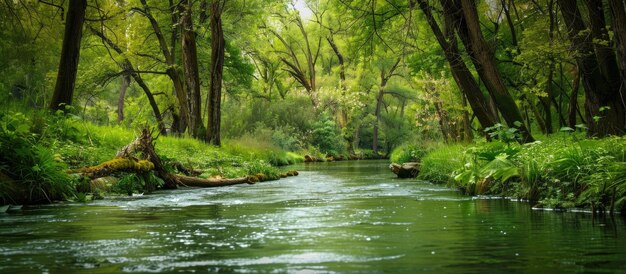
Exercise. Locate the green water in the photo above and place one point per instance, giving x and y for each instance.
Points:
(334, 218)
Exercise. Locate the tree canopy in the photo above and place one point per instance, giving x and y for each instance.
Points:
(337, 75)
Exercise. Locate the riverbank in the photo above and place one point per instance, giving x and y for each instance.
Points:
(337, 217)
(565, 170)
(37, 150)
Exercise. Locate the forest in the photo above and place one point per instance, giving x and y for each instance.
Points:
(500, 97)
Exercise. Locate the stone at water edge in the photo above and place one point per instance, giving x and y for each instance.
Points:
(406, 170)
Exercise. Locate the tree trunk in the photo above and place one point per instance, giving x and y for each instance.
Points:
(573, 100)
(461, 74)
(467, 128)
(379, 103)
(217, 69)
(601, 90)
(619, 29)
(384, 77)
(125, 82)
(70, 53)
(483, 59)
(343, 114)
(546, 102)
(172, 72)
(190, 68)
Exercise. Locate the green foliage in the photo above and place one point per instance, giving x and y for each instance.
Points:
(554, 172)
(36, 169)
(503, 133)
(409, 153)
(137, 183)
(327, 137)
(438, 166)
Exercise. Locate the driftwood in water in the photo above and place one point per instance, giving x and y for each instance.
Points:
(406, 170)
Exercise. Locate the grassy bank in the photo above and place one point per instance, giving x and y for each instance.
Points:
(36, 150)
(560, 171)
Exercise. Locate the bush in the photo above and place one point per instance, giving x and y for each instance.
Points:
(327, 137)
(409, 153)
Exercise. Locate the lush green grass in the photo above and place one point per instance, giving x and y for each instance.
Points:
(560, 171)
(438, 165)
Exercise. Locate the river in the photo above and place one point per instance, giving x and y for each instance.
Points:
(342, 217)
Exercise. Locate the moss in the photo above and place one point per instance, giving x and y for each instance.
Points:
(118, 164)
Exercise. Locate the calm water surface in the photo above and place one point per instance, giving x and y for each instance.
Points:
(334, 218)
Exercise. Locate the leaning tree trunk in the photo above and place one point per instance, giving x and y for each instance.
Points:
(343, 113)
(604, 106)
(461, 74)
(217, 68)
(619, 28)
(483, 59)
(70, 53)
(190, 67)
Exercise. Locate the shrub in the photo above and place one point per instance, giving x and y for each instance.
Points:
(409, 153)
(327, 137)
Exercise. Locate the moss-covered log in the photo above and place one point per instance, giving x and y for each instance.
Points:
(144, 145)
(114, 165)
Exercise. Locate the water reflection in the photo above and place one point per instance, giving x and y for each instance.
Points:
(334, 217)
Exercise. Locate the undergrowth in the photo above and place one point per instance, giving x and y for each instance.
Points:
(37, 148)
(564, 170)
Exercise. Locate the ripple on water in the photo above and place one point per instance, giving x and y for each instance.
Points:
(294, 260)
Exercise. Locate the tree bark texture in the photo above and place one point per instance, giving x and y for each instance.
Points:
(573, 100)
(190, 68)
(604, 105)
(461, 74)
(618, 15)
(468, 27)
(70, 53)
(217, 69)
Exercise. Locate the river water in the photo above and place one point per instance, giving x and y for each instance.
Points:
(340, 217)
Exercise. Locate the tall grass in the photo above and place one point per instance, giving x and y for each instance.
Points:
(439, 165)
(561, 171)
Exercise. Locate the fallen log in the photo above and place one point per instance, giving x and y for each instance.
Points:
(215, 182)
(144, 144)
(113, 165)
